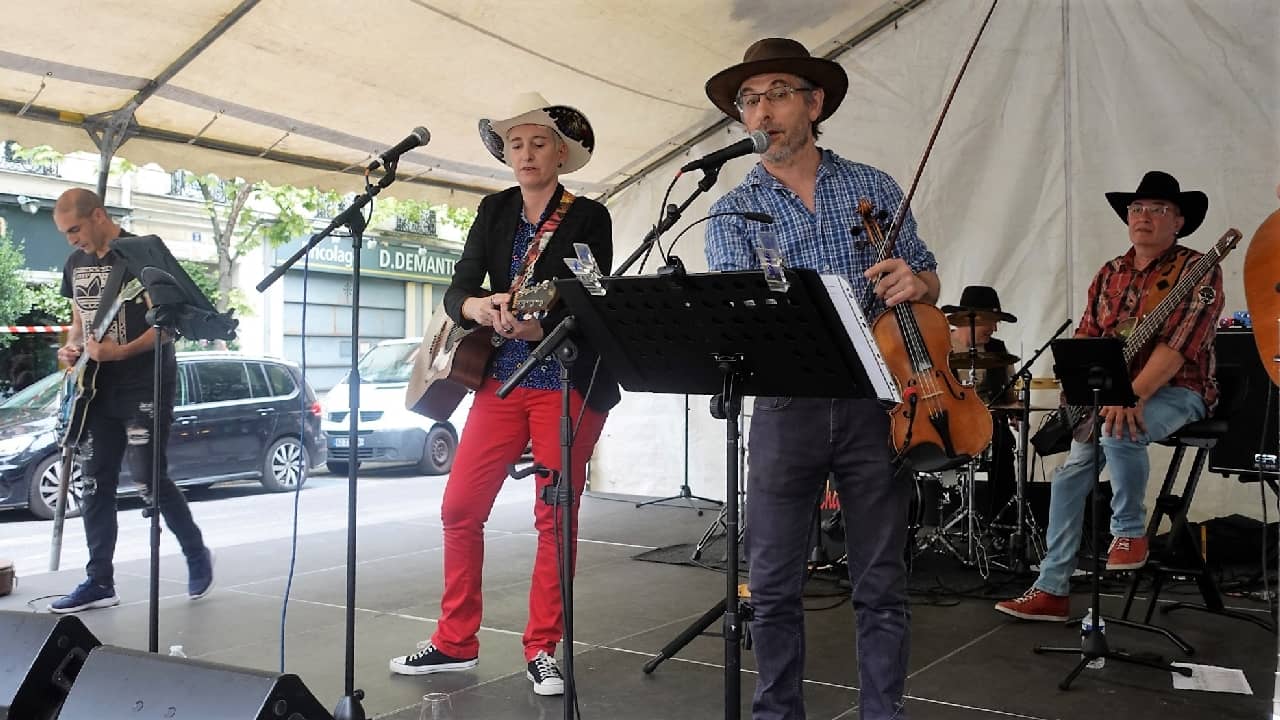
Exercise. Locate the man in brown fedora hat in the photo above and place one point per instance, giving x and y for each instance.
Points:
(1173, 378)
(795, 443)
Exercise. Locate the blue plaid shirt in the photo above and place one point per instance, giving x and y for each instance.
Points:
(821, 240)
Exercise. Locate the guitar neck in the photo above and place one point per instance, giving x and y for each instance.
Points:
(1146, 330)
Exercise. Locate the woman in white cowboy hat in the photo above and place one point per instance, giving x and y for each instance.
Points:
(512, 243)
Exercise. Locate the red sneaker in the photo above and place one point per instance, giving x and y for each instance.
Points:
(1127, 553)
(1037, 605)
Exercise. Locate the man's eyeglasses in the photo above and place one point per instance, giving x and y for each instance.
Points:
(776, 94)
(1136, 209)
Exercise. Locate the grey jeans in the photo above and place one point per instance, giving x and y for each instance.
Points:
(794, 444)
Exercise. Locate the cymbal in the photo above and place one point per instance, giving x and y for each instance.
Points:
(981, 360)
(1016, 407)
(962, 317)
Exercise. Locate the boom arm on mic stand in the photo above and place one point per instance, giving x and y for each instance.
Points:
(710, 166)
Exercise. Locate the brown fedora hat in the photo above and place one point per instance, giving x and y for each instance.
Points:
(779, 55)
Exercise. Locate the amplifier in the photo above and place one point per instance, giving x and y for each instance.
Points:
(1252, 423)
(40, 657)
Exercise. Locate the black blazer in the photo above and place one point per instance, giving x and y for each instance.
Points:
(488, 253)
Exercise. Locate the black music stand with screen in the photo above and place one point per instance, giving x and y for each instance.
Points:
(1094, 373)
(727, 333)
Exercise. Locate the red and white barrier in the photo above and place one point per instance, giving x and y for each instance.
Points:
(34, 328)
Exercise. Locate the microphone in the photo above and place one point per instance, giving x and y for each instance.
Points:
(765, 218)
(758, 142)
(419, 137)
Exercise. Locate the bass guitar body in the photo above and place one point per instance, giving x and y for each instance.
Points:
(915, 340)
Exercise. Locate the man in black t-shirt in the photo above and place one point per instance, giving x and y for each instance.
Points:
(118, 424)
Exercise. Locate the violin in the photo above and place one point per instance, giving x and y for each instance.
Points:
(915, 341)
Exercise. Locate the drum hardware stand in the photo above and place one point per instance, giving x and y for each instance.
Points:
(1018, 560)
(718, 526)
(971, 552)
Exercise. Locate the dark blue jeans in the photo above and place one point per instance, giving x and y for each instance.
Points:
(794, 444)
(118, 428)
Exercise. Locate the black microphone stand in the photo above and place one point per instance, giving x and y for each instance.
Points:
(673, 214)
(560, 492)
(349, 707)
(177, 308)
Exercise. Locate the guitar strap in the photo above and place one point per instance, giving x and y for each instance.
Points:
(1164, 279)
(110, 290)
(541, 236)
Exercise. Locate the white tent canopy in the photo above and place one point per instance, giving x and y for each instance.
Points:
(300, 90)
(1065, 100)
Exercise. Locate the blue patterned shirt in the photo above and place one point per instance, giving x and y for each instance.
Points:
(512, 353)
(821, 240)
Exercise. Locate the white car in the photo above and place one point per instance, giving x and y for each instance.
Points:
(389, 434)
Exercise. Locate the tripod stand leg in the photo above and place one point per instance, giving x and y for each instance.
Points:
(698, 627)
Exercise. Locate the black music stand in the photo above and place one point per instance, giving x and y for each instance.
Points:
(177, 308)
(723, 333)
(1093, 372)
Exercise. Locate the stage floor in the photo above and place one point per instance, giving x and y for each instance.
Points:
(966, 660)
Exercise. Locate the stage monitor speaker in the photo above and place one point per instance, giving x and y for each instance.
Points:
(40, 656)
(1252, 424)
(122, 684)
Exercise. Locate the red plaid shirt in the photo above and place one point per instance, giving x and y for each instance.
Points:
(1116, 294)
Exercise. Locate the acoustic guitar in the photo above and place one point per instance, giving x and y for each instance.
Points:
(453, 360)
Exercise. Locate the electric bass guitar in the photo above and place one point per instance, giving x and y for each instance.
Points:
(79, 385)
(1054, 436)
(453, 360)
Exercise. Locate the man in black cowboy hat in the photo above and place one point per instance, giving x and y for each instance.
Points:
(974, 323)
(1173, 378)
(795, 443)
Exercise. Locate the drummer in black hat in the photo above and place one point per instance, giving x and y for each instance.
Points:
(974, 323)
(1172, 375)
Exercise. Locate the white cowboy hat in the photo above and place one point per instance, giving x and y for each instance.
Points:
(533, 109)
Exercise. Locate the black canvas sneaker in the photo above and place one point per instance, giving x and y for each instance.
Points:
(430, 660)
(545, 675)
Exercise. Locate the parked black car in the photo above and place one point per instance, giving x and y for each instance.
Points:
(237, 417)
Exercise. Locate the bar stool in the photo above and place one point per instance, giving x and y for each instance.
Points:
(1180, 554)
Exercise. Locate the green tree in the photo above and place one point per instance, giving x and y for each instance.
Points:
(15, 298)
(239, 226)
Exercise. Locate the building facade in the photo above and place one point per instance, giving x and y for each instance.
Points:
(405, 264)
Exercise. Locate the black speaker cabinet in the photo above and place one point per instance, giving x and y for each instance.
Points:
(40, 657)
(122, 684)
(1252, 424)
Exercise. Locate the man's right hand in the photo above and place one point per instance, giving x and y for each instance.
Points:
(68, 354)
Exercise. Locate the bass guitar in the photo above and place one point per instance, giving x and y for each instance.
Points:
(1054, 435)
(453, 360)
(79, 385)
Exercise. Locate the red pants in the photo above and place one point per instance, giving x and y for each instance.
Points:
(494, 436)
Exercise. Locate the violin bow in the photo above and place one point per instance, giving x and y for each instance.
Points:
(895, 228)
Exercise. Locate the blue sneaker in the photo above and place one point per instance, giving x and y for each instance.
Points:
(86, 596)
(200, 575)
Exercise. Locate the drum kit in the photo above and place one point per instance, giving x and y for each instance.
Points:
(947, 515)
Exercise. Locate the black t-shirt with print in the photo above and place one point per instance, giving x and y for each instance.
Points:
(83, 279)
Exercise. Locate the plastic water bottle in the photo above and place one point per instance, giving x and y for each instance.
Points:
(176, 651)
(1086, 624)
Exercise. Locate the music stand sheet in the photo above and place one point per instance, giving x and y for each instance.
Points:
(855, 324)
(665, 334)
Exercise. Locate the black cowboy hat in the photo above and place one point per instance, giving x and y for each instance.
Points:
(1157, 185)
(779, 55)
(980, 297)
